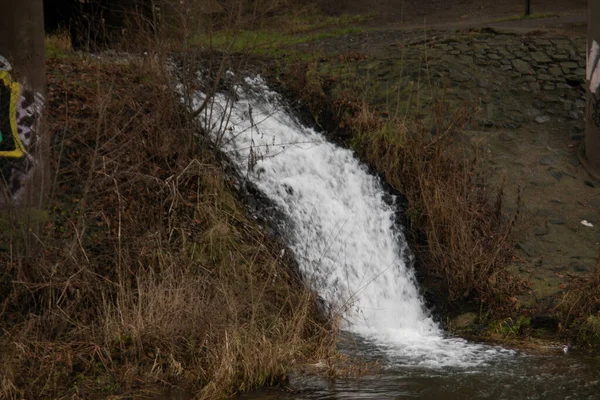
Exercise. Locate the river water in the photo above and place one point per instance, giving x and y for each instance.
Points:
(341, 228)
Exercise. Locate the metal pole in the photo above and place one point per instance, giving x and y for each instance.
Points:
(23, 143)
(590, 153)
(527, 7)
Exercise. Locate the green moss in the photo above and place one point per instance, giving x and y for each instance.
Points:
(508, 327)
(311, 20)
(266, 42)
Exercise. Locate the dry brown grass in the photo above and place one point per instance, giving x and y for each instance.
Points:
(579, 308)
(465, 238)
(147, 271)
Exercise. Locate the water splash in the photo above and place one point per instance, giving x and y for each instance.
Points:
(341, 229)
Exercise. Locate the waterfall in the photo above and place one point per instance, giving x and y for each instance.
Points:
(340, 228)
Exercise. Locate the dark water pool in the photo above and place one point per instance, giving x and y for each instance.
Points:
(552, 375)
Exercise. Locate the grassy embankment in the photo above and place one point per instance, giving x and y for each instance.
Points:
(146, 272)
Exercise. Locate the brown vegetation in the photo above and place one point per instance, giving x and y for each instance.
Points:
(146, 271)
(467, 240)
(579, 308)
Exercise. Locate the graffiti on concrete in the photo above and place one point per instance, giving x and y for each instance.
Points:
(20, 111)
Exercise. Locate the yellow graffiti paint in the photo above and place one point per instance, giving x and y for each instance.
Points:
(15, 92)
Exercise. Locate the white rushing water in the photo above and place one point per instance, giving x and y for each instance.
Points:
(339, 227)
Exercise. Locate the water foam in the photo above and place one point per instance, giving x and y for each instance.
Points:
(341, 229)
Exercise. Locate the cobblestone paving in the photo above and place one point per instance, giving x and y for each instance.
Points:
(549, 70)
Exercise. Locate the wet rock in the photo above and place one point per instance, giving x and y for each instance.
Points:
(540, 57)
(505, 54)
(556, 71)
(547, 160)
(541, 231)
(567, 105)
(561, 57)
(534, 86)
(508, 136)
(486, 123)
(557, 175)
(542, 119)
(527, 248)
(575, 80)
(544, 77)
(458, 76)
(551, 99)
(568, 67)
(465, 59)
(462, 47)
(514, 75)
(511, 125)
(522, 66)
(542, 42)
(483, 83)
(548, 87)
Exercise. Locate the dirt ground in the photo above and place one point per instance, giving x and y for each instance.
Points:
(524, 79)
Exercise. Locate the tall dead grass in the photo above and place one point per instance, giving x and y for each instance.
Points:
(579, 308)
(462, 236)
(147, 273)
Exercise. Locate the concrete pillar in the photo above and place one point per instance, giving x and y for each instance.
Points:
(590, 156)
(24, 144)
